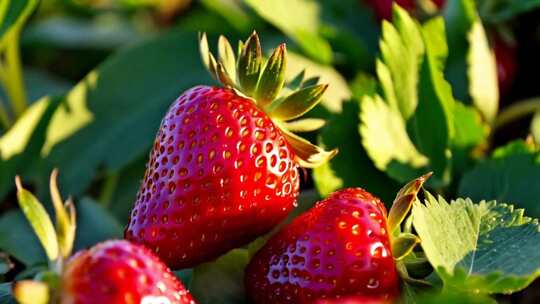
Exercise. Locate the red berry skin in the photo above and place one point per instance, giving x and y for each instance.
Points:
(119, 272)
(383, 8)
(220, 174)
(439, 3)
(338, 250)
(505, 55)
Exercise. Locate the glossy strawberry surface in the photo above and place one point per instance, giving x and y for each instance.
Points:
(119, 272)
(220, 174)
(338, 250)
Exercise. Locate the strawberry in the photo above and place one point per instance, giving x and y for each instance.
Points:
(224, 166)
(115, 272)
(341, 249)
(383, 8)
(505, 55)
(120, 272)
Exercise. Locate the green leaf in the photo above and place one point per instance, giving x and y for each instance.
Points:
(386, 141)
(433, 119)
(513, 175)
(482, 72)
(234, 13)
(21, 242)
(226, 275)
(338, 90)
(401, 49)
(67, 32)
(453, 297)
(88, 232)
(13, 14)
(298, 19)
(351, 167)
(112, 136)
(39, 219)
(469, 128)
(488, 247)
(459, 16)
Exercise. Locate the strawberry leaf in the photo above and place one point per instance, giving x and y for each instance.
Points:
(401, 54)
(386, 141)
(512, 174)
(433, 119)
(488, 247)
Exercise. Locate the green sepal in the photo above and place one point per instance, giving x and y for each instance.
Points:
(304, 125)
(223, 76)
(51, 278)
(226, 57)
(31, 292)
(310, 81)
(403, 245)
(297, 81)
(403, 203)
(272, 77)
(65, 217)
(307, 154)
(298, 103)
(39, 220)
(249, 64)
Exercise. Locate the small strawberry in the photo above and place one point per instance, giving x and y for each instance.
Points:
(505, 55)
(115, 272)
(120, 272)
(224, 166)
(383, 8)
(341, 249)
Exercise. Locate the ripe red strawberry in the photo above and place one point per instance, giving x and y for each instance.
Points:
(339, 251)
(119, 272)
(505, 55)
(223, 168)
(383, 8)
(338, 248)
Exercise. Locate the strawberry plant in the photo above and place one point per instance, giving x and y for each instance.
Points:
(414, 180)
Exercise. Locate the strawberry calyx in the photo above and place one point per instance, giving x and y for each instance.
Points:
(403, 241)
(57, 241)
(263, 82)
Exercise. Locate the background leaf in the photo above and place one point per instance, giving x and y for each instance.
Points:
(226, 276)
(299, 19)
(482, 72)
(21, 242)
(513, 176)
